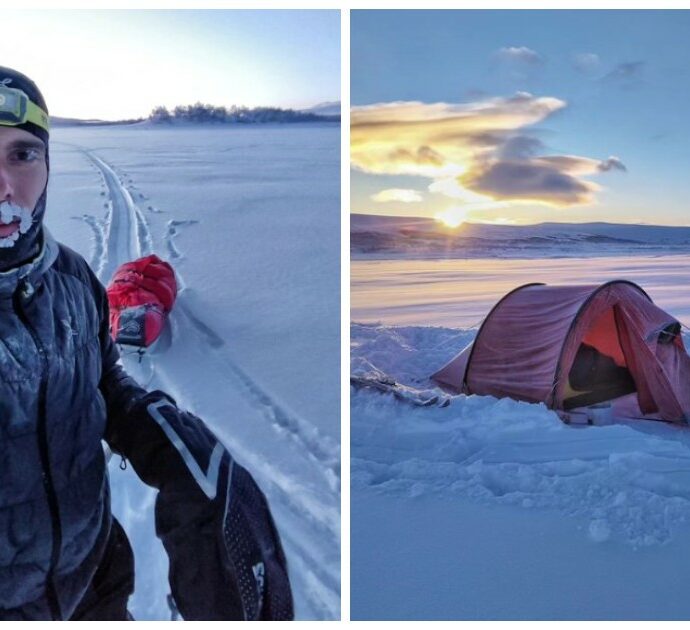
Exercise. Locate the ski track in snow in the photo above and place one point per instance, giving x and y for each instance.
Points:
(98, 254)
(128, 235)
(321, 449)
(305, 518)
(628, 481)
(124, 216)
(299, 503)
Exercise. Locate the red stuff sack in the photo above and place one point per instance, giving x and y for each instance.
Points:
(141, 294)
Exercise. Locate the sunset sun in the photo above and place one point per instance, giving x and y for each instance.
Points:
(452, 217)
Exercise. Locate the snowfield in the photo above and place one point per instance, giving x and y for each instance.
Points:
(494, 509)
(384, 237)
(249, 218)
(460, 292)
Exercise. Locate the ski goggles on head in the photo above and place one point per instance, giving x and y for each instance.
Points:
(17, 109)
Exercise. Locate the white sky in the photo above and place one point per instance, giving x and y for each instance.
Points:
(120, 64)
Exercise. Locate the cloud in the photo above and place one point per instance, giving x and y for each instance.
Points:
(580, 166)
(405, 195)
(612, 163)
(520, 147)
(586, 62)
(530, 180)
(519, 54)
(481, 152)
(625, 72)
(423, 156)
(450, 187)
(554, 180)
(437, 140)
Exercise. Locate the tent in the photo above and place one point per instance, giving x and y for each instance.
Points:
(578, 347)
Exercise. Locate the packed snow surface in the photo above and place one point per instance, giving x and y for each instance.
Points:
(495, 509)
(250, 220)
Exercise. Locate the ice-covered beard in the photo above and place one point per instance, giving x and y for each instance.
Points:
(11, 213)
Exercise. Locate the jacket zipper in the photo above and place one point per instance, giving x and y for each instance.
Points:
(42, 433)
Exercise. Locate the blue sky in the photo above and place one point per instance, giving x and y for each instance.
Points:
(120, 64)
(602, 84)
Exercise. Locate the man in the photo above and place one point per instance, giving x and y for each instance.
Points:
(62, 554)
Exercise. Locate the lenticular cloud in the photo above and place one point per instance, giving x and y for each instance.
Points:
(485, 149)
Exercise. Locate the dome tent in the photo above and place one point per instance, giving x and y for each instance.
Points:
(572, 347)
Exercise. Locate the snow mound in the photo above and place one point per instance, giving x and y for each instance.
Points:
(625, 482)
(408, 354)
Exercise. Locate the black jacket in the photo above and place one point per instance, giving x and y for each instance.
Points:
(62, 391)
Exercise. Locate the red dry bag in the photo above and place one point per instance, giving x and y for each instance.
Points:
(141, 294)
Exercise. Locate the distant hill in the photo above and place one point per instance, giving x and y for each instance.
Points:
(385, 236)
(58, 121)
(331, 108)
(203, 113)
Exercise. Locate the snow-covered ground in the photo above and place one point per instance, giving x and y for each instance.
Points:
(459, 293)
(494, 509)
(382, 237)
(250, 220)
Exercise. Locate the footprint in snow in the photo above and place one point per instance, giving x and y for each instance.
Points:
(172, 232)
(599, 530)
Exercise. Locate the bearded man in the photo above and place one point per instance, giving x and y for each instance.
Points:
(62, 392)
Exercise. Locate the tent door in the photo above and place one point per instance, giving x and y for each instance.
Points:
(595, 377)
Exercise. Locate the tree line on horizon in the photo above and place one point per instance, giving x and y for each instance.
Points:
(201, 112)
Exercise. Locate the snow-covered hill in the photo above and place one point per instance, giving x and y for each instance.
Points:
(375, 236)
(329, 108)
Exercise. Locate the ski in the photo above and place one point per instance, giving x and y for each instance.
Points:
(403, 393)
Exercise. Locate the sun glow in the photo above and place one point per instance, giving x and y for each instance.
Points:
(452, 217)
